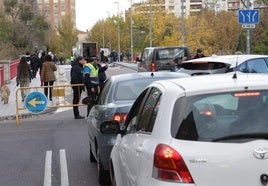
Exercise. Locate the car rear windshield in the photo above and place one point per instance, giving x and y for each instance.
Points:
(129, 90)
(203, 65)
(170, 53)
(221, 117)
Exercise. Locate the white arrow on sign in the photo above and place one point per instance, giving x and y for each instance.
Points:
(33, 102)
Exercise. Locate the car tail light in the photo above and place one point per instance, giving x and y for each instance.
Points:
(120, 117)
(153, 67)
(169, 165)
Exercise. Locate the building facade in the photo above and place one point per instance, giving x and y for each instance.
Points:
(54, 10)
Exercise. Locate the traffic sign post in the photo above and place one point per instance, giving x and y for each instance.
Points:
(248, 16)
(36, 102)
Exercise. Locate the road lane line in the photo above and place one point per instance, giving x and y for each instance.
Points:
(48, 164)
(63, 168)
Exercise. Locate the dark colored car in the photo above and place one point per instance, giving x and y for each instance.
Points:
(160, 58)
(114, 103)
(247, 63)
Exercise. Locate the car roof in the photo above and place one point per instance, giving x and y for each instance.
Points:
(216, 82)
(160, 47)
(142, 75)
(232, 60)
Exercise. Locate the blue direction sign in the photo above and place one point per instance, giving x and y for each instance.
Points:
(248, 16)
(36, 102)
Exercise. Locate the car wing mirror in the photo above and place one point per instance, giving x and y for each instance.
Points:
(110, 127)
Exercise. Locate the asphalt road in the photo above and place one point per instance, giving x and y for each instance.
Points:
(50, 149)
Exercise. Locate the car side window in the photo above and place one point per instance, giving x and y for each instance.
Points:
(103, 96)
(149, 111)
(131, 120)
(257, 66)
(254, 66)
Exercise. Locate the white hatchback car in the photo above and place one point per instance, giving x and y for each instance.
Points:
(247, 63)
(203, 130)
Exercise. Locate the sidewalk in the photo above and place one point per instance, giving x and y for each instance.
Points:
(8, 111)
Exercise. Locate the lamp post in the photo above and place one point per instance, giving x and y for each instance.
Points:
(150, 24)
(131, 33)
(109, 35)
(118, 31)
(102, 33)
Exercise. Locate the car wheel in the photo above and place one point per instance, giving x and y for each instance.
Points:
(104, 175)
(91, 156)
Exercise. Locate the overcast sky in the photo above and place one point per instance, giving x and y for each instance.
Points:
(88, 12)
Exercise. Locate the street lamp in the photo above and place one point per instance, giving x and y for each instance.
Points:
(131, 33)
(150, 22)
(118, 31)
(109, 35)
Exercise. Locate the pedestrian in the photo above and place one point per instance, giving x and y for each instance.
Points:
(41, 61)
(175, 65)
(77, 78)
(92, 81)
(24, 76)
(34, 64)
(47, 75)
(199, 53)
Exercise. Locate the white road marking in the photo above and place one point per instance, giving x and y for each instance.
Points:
(63, 168)
(48, 164)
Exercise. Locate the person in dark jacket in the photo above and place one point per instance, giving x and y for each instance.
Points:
(24, 76)
(199, 53)
(34, 63)
(77, 78)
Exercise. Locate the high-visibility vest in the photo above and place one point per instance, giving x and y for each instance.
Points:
(72, 58)
(94, 75)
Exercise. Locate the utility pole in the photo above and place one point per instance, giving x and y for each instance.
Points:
(150, 22)
(182, 22)
(248, 30)
(131, 33)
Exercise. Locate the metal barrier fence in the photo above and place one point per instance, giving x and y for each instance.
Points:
(62, 96)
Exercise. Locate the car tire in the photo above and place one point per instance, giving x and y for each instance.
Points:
(91, 156)
(104, 175)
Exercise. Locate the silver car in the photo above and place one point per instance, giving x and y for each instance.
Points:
(114, 102)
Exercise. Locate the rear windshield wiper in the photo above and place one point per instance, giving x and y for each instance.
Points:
(243, 136)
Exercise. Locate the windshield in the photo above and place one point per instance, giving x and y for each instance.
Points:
(170, 53)
(203, 65)
(229, 115)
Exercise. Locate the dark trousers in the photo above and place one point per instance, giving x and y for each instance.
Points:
(77, 91)
(50, 83)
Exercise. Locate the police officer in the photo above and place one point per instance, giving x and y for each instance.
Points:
(92, 82)
(77, 78)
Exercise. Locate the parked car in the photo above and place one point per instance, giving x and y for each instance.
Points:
(194, 131)
(247, 63)
(160, 58)
(114, 102)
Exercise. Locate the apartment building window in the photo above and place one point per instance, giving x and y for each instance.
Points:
(46, 1)
(62, 7)
(39, 1)
(56, 7)
(171, 7)
(56, 13)
(56, 1)
(62, 1)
